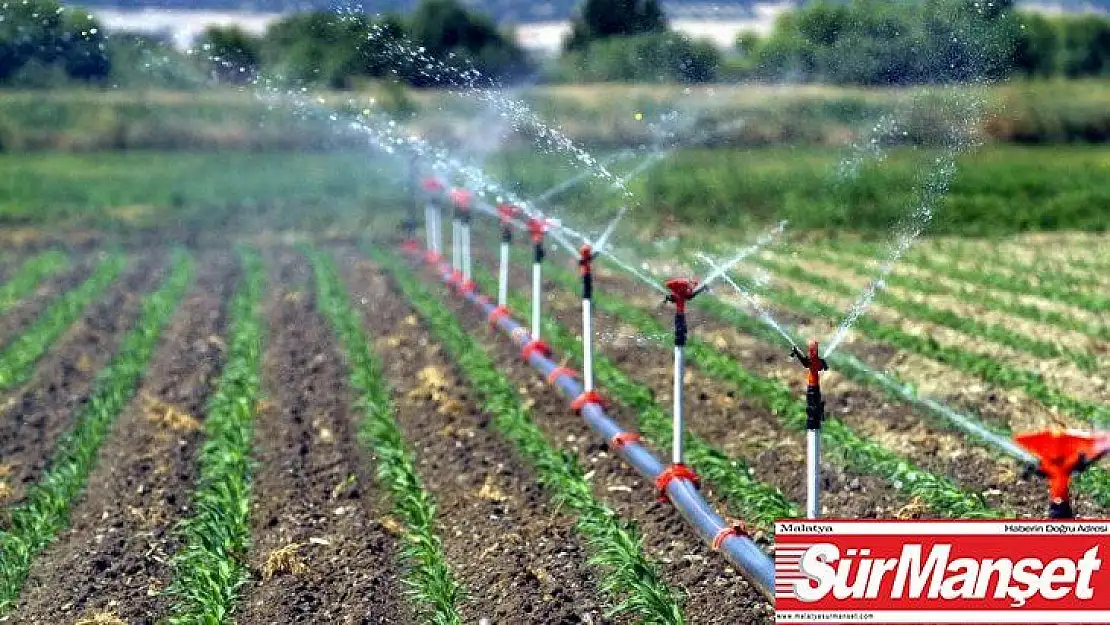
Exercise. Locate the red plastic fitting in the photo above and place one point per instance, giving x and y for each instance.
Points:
(559, 372)
(814, 378)
(585, 259)
(589, 397)
(431, 257)
(1063, 452)
(467, 286)
(682, 291)
(673, 472)
(735, 528)
(621, 439)
(507, 212)
(497, 314)
(534, 347)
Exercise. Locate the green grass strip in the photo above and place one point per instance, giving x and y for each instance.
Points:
(1051, 290)
(1000, 334)
(851, 449)
(29, 276)
(629, 579)
(18, 358)
(34, 523)
(760, 504)
(1009, 304)
(209, 568)
(430, 581)
(984, 367)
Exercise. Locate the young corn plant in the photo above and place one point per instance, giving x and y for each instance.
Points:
(29, 276)
(629, 579)
(985, 367)
(431, 583)
(18, 358)
(760, 504)
(844, 444)
(34, 523)
(209, 567)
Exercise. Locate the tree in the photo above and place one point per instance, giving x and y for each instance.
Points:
(601, 19)
(40, 37)
(233, 55)
(449, 32)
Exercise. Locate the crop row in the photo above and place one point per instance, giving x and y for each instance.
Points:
(985, 367)
(982, 275)
(29, 275)
(208, 569)
(34, 523)
(430, 580)
(1011, 304)
(853, 450)
(629, 579)
(758, 503)
(1043, 268)
(18, 358)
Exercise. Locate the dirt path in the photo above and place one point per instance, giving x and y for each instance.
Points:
(36, 415)
(519, 559)
(114, 559)
(314, 499)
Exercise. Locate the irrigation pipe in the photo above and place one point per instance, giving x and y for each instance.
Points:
(730, 539)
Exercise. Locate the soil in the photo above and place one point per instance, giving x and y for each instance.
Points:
(313, 497)
(115, 557)
(24, 313)
(519, 559)
(36, 415)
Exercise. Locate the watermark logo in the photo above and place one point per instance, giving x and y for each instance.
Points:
(942, 572)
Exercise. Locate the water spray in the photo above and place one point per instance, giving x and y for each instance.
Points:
(410, 223)
(507, 212)
(815, 415)
(1062, 453)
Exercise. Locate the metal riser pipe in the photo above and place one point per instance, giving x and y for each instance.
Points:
(740, 551)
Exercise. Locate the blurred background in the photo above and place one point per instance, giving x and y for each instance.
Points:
(843, 117)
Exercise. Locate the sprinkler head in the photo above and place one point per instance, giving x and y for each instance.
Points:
(585, 254)
(682, 291)
(461, 198)
(1062, 453)
(811, 361)
(537, 227)
(507, 212)
(432, 184)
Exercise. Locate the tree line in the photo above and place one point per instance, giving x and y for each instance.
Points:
(864, 42)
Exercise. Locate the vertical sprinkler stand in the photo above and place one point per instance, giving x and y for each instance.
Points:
(815, 415)
(585, 266)
(1062, 453)
(460, 275)
(682, 291)
(433, 219)
(507, 212)
(537, 227)
(410, 223)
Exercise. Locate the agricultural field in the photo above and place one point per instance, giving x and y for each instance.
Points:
(291, 424)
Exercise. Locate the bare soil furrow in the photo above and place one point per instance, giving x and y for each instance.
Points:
(114, 558)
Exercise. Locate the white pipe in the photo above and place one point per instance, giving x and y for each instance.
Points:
(587, 346)
(813, 474)
(503, 277)
(535, 301)
(428, 228)
(456, 248)
(679, 373)
(466, 252)
(437, 231)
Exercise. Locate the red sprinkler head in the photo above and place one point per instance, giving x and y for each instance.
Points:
(1063, 452)
(507, 212)
(811, 361)
(432, 184)
(461, 198)
(537, 227)
(585, 254)
(682, 291)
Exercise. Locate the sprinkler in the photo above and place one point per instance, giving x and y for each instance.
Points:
(537, 226)
(815, 414)
(461, 275)
(1062, 453)
(507, 212)
(682, 290)
(585, 265)
(432, 218)
(410, 223)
